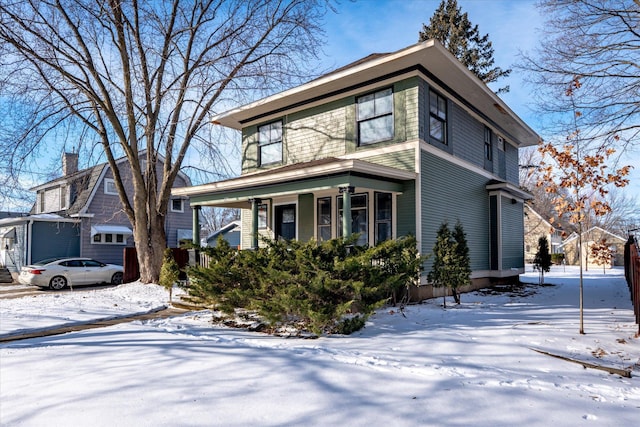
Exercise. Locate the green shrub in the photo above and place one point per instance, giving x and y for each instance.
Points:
(557, 258)
(169, 272)
(311, 285)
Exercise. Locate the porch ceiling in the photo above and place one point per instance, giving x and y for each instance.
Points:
(297, 179)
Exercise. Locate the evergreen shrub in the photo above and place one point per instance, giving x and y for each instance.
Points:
(327, 287)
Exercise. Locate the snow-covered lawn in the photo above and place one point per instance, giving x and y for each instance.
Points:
(467, 365)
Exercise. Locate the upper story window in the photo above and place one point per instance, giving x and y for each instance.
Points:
(177, 205)
(488, 144)
(270, 143)
(375, 117)
(110, 187)
(437, 117)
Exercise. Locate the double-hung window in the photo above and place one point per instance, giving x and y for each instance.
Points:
(488, 145)
(437, 117)
(383, 217)
(262, 217)
(359, 217)
(270, 143)
(324, 219)
(375, 117)
(110, 187)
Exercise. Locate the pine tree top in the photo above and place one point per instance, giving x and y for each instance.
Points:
(454, 30)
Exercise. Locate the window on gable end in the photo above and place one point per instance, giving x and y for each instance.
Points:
(270, 143)
(375, 117)
(110, 187)
(437, 117)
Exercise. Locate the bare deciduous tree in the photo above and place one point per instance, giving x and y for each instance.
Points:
(141, 75)
(580, 168)
(599, 42)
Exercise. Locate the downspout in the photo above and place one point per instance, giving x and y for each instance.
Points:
(28, 241)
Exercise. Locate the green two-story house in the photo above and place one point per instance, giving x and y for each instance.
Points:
(391, 145)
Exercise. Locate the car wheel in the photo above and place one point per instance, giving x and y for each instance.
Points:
(57, 283)
(116, 279)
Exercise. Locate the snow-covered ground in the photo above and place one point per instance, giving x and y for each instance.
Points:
(471, 364)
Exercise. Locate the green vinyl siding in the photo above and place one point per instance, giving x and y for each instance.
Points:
(406, 210)
(306, 223)
(467, 136)
(451, 192)
(512, 234)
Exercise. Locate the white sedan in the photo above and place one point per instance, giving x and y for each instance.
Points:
(58, 273)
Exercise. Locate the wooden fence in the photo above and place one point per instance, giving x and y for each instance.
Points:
(132, 269)
(632, 274)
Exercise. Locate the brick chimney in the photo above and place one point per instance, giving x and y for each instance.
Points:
(69, 163)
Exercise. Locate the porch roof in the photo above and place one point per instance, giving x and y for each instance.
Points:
(297, 178)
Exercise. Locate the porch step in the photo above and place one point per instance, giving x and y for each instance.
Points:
(5, 275)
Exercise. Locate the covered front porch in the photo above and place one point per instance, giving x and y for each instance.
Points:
(309, 200)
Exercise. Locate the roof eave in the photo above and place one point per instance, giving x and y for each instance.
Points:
(430, 55)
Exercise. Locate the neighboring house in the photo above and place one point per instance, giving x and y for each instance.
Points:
(400, 142)
(230, 232)
(88, 199)
(593, 235)
(536, 226)
(18, 234)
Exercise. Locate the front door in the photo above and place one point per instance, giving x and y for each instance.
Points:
(285, 222)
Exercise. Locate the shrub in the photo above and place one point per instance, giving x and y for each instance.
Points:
(312, 285)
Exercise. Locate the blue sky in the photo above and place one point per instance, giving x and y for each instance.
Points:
(362, 27)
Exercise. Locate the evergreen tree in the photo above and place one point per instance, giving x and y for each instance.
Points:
(443, 256)
(542, 260)
(462, 261)
(169, 272)
(454, 30)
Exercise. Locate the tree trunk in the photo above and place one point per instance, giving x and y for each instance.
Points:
(456, 295)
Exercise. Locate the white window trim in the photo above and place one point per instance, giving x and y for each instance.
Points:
(359, 121)
(262, 144)
(181, 210)
(108, 181)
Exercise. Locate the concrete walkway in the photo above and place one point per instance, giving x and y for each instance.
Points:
(162, 313)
